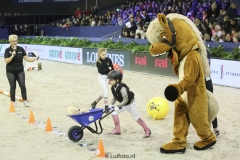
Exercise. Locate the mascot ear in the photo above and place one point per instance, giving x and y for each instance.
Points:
(162, 20)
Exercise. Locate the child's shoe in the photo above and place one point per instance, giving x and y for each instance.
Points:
(94, 104)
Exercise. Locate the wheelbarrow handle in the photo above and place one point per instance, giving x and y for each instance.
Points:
(116, 108)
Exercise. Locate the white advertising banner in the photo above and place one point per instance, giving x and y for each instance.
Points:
(225, 72)
(2, 49)
(56, 53)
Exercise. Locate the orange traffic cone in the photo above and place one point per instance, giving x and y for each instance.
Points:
(11, 108)
(101, 152)
(48, 126)
(31, 117)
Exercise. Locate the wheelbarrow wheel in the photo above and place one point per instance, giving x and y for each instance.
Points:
(75, 133)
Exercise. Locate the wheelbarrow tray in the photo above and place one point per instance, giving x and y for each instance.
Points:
(87, 118)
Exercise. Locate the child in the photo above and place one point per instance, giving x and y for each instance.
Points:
(125, 97)
(104, 66)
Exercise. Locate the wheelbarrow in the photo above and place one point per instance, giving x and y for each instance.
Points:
(75, 133)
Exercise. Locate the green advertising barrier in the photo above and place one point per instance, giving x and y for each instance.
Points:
(144, 62)
(119, 57)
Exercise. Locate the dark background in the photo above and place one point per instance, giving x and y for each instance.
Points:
(8, 6)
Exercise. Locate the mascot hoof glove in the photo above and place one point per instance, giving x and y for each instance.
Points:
(204, 147)
(171, 93)
(171, 148)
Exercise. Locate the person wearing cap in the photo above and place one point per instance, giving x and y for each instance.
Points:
(125, 97)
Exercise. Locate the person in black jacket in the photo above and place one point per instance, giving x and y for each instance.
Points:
(125, 97)
(104, 66)
(209, 86)
(14, 56)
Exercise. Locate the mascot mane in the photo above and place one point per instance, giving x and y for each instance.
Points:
(157, 27)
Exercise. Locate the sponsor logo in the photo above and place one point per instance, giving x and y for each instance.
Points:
(116, 58)
(55, 53)
(73, 55)
(161, 63)
(225, 73)
(142, 61)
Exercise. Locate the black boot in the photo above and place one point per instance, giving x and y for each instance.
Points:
(94, 104)
(106, 108)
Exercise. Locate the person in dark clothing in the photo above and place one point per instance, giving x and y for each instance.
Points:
(104, 66)
(146, 17)
(14, 56)
(133, 27)
(15, 29)
(125, 97)
(233, 24)
(212, 13)
(232, 11)
(209, 86)
(36, 31)
(206, 29)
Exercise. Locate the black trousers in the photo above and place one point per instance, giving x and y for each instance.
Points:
(20, 78)
(209, 87)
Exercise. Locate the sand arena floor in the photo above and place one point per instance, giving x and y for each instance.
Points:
(60, 85)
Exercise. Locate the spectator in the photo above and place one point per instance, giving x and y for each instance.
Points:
(221, 16)
(120, 22)
(146, 17)
(226, 23)
(197, 22)
(133, 25)
(95, 10)
(139, 31)
(216, 38)
(21, 30)
(93, 22)
(207, 37)
(232, 11)
(42, 33)
(26, 30)
(233, 32)
(235, 38)
(206, 29)
(228, 38)
(233, 24)
(114, 20)
(36, 31)
(223, 34)
(100, 23)
(212, 13)
(217, 30)
(87, 11)
(138, 36)
(78, 12)
(132, 34)
(63, 21)
(16, 29)
(126, 34)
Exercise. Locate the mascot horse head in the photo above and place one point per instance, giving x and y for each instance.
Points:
(176, 35)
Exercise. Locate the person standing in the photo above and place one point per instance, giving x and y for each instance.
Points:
(14, 56)
(104, 66)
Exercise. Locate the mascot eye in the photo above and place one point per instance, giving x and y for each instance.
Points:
(164, 37)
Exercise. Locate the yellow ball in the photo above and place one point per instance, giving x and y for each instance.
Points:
(158, 108)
